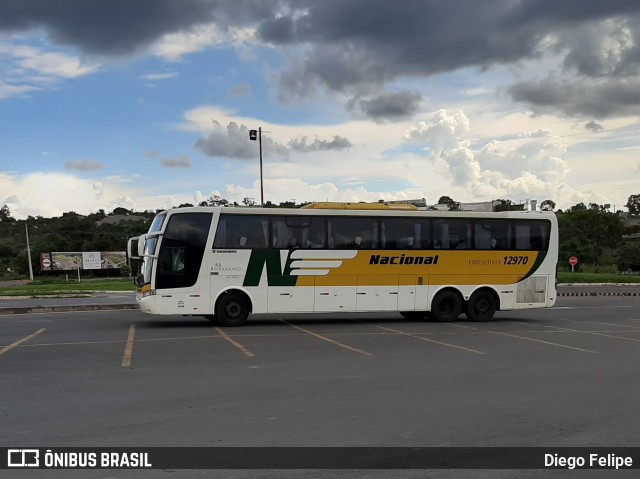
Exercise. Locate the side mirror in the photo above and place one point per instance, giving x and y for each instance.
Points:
(141, 243)
(130, 248)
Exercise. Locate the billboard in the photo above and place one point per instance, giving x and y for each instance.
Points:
(71, 261)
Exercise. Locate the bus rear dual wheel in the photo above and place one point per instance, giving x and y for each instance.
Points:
(482, 305)
(448, 305)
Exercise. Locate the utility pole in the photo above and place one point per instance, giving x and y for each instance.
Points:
(26, 230)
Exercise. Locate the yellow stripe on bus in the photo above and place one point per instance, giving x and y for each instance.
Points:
(391, 268)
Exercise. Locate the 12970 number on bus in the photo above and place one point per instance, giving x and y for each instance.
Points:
(513, 260)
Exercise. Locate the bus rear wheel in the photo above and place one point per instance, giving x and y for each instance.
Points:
(232, 309)
(446, 307)
(481, 306)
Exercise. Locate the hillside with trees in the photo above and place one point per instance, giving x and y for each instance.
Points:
(70, 232)
(601, 239)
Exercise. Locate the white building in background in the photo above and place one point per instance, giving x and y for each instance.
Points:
(479, 206)
(420, 202)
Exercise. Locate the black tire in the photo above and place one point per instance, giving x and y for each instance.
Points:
(481, 306)
(446, 307)
(232, 309)
(415, 315)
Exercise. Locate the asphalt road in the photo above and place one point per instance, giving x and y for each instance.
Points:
(565, 376)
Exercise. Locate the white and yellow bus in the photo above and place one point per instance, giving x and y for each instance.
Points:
(225, 263)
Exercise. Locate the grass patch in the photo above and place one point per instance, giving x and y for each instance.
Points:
(49, 287)
(598, 278)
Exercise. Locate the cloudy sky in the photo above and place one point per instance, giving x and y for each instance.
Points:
(147, 104)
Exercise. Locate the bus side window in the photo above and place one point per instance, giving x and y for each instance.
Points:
(352, 233)
(483, 236)
(315, 234)
(492, 234)
(502, 243)
(405, 243)
(401, 233)
(523, 237)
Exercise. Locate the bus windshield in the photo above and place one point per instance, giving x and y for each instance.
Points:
(146, 267)
(157, 223)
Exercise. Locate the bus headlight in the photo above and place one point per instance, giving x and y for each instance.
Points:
(146, 291)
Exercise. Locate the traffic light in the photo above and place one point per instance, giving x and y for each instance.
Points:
(253, 135)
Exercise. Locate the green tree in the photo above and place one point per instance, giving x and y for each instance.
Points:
(586, 231)
(628, 254)
(633, 203)
(548, 205)
(5, 215)
(121, 211)
(450, 202)
(214, 200)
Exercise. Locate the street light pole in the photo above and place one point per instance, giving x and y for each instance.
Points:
(257, 135)
(261, 186)
(29, 252)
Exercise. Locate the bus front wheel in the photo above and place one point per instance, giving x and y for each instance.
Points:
(446, 306)
(481, 306)
(232, 309)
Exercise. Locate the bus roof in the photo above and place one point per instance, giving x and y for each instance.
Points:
(380, 212)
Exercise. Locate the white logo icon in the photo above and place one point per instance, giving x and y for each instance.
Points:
(317, 262)
(23, 458)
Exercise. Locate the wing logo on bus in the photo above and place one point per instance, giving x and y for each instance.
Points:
(317, 263)
(284, 270)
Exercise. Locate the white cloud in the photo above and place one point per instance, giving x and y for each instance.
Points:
(383, 164)
(456, 160)
(173, 46)
(51, 194)
(461, 164)
(286, 189)
(530, 165)
(440, 130)
(158, 76)
(478, 91)
(56, 64)
(12, 90)
(26, 69)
